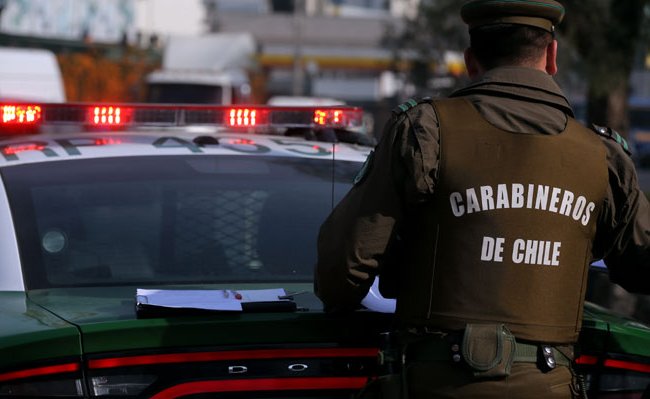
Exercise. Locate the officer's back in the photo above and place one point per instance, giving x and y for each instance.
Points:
(482, 212)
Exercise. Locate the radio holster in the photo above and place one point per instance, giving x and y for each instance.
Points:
(488, 350)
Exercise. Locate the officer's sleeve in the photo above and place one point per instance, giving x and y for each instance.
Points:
(359, 237)
(623, 232)
(355, 236)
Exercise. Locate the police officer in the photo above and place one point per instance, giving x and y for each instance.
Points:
(481, 213)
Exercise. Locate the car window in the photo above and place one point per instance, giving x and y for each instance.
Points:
(194, 219)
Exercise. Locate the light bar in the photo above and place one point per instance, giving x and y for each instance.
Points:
(140, 115)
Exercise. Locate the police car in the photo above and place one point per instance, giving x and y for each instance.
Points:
(100, 203)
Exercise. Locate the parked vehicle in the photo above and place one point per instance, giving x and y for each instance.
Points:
(209, 69)
(30, 75)
(208, 199)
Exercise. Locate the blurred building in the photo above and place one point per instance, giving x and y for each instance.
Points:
(103, 21)
(93, 41)
(322, 48)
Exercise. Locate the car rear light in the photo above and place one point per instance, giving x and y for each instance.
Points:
(44, 381)
(192, 357)
(262, 384)
(614, 363)
(610, 378)
(270, 372)
(41, 389)
(121, 385)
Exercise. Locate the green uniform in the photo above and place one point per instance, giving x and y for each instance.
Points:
(364, 236)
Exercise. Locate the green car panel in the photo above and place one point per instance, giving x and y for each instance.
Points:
(108, 321)
(29, 333)
(604, 331)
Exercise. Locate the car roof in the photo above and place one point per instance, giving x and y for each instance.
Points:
(54, 132)
(86, 144)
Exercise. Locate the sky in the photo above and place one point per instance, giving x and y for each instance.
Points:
(165, 18)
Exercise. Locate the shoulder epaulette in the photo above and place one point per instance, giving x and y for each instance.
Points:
(408, 104)
(612, 134)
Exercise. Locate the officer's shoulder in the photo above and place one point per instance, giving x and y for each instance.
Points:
(411, 103)
(612, 135)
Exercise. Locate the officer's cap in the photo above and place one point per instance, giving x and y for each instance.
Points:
(545, 14)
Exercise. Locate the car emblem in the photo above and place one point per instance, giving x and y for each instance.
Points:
(237, 369)
(298, 367)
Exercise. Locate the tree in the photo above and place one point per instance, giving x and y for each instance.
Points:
(436, 28)
(606, 36)
(92, 76)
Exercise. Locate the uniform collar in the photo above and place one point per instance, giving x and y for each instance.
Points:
(519, 82)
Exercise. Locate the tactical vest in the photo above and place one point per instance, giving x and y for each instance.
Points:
(507, 237)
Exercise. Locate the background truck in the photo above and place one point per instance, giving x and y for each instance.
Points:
(30, 75)
(210, 69)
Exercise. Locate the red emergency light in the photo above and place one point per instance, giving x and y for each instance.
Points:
(329, 116)
(242, 117)
(28, 118)
(106, 116)
(21, 114)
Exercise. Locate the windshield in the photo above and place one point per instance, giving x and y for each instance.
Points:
(171, 220)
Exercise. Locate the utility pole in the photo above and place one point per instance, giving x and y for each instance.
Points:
(298, 67)
(3, 4)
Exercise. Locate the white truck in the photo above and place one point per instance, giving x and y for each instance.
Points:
(30, 75)
(208, 69)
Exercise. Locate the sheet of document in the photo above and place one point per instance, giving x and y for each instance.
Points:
(228, 300)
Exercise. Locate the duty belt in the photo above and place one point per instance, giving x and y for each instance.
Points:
(440, 348)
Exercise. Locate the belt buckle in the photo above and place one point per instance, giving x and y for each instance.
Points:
(547, 357)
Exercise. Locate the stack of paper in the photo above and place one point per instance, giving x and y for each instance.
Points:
(228, 300)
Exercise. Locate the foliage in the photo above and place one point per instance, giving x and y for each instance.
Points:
(436, 29)
(608, 35)
(94, 76)
(605, 35)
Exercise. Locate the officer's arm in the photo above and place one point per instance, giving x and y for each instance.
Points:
(355, 236)
(623, 235)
